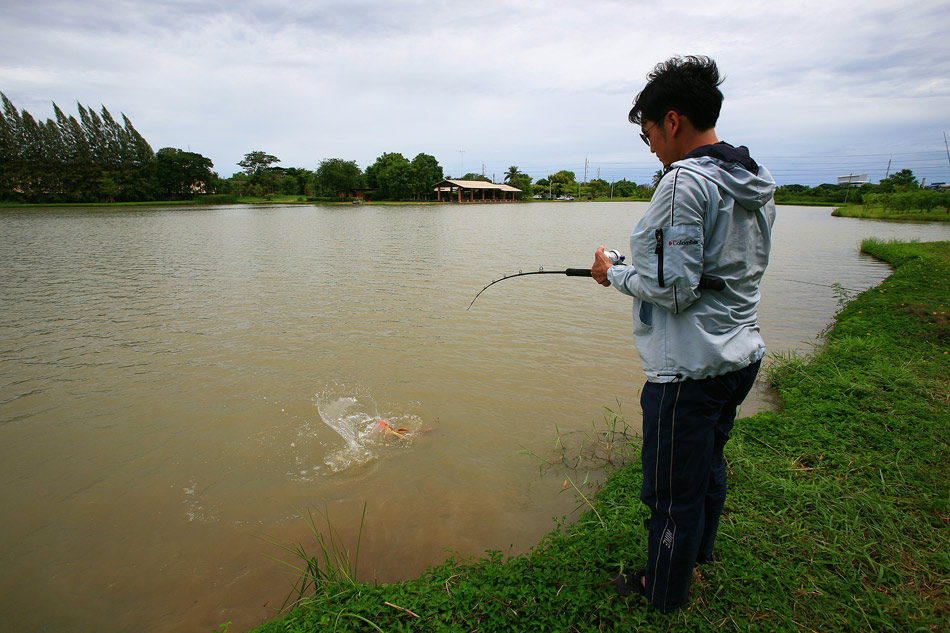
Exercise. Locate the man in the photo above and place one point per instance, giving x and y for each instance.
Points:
(697, 257)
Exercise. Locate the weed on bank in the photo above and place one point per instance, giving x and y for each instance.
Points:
(838, 517)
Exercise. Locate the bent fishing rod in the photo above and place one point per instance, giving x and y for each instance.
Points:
(615, 258)
(570, 272)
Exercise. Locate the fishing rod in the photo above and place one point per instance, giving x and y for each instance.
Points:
(570, 272)
(615, 258)
(706, 283)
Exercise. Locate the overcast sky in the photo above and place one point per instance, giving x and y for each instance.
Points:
(816, 88)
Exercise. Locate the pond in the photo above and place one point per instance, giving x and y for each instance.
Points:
(179, 386)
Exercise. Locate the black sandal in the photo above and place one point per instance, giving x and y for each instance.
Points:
(628, 584)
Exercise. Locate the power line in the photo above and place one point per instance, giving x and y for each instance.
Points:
(787, 169)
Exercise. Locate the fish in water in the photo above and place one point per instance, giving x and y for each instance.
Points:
(385, 429)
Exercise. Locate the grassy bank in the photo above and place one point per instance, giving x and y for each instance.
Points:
(880, 212)
(838, 517)
(792, 202)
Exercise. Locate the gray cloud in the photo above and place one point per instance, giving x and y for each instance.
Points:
(540, 85)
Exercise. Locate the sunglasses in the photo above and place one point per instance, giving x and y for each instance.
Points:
(645, 134)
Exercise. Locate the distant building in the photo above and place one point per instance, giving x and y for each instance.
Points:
(855, 180)
(465, 190)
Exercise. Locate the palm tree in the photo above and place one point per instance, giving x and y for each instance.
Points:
(512, 174)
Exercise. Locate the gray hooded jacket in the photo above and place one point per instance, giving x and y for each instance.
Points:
(711, 216)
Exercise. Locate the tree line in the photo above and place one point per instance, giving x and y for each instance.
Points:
(88, 159)
(95, 158)
(391, 177)
(92, 158)
(900, 190)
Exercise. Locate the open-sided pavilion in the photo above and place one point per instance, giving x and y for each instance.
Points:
(460, 189)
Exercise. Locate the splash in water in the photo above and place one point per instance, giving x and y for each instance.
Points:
(364, 429)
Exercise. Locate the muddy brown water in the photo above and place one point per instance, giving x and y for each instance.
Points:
(178, 386)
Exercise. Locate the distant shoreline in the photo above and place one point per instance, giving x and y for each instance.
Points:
(294, 200)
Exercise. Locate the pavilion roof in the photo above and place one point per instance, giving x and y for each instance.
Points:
(476, 184)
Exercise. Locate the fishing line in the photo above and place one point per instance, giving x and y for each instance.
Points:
(815, 283)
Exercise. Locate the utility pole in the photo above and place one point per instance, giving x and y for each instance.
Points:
(947, 146)
(888, 172)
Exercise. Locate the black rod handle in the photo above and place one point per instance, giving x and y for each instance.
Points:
(578, 272)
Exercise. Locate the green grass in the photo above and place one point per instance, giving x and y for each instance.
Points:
(838, 517)
(804, 202)
(877, 212)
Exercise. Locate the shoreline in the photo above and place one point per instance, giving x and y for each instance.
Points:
(837, 517)
(294, 201)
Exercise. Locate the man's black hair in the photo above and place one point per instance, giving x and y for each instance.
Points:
(688, 85)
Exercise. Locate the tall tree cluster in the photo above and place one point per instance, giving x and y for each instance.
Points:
(93, 157)
(395, 177)
(89, 159)
(391, 177)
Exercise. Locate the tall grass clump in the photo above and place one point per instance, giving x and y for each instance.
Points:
(838, 517)
(332, 565)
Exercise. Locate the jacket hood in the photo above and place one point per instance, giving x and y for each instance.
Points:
(732, 169)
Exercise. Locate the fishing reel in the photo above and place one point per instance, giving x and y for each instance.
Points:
(615, 257)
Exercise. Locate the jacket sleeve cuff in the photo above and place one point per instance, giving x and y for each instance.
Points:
(622, 278)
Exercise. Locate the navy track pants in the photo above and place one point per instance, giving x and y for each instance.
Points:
(685, 427)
